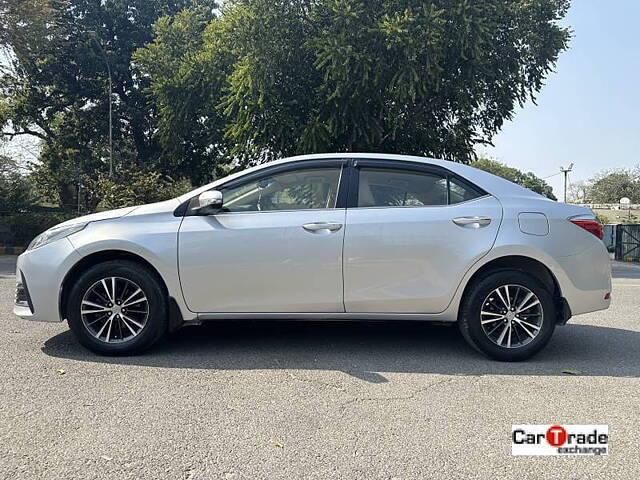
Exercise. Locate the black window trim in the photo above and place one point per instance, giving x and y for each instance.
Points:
(349, 178)
(341, 200)
(355, 164)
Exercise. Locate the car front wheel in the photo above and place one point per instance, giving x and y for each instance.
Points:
(508, 315)
(117, 307)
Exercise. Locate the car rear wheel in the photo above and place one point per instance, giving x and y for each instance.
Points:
(117, 308)
(508, 315)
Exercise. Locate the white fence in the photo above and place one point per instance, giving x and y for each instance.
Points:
(610, 206)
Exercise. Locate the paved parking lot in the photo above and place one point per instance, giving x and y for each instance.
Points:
(250, 400)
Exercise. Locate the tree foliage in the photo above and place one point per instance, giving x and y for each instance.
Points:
(133, 187)
(187, 86)
(611, 186)
(272, 78)
(55, 85)
(15, 188)
(578, 192)
(200, 90)
(524, 179)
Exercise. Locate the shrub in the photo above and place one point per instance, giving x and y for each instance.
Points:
(135, 187)
(19, 229)
(602, 218)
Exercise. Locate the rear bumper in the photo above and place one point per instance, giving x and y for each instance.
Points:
(43, 271)
(585, 280)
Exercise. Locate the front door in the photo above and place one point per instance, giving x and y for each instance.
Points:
(412, 234)
(275, 247)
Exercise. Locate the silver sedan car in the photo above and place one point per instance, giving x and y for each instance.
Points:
(334, 236)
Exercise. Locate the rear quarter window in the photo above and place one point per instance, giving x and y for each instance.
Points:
(462, 191)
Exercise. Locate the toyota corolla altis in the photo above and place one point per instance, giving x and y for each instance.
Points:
(335, 236)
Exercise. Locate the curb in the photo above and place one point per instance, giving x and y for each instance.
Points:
(11, 250)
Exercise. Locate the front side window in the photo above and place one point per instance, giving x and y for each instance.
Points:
(302, 189)
(379, 187)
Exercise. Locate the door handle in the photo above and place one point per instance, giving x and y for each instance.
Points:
(472, 222)
(319, 227)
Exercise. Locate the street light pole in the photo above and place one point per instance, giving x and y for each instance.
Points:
(111, 123)
(566, 174)
(79, 187)
(106, 61)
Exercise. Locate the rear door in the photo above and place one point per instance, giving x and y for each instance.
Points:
(413, 231)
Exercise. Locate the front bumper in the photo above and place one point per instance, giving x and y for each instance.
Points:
(42, 271)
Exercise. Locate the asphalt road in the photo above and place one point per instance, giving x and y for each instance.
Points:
(250, 400)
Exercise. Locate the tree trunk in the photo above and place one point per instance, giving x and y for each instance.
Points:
(68, 194)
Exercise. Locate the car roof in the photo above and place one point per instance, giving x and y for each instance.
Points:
(492, 184)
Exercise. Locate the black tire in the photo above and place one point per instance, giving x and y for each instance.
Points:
(156, 307)
(469, 319)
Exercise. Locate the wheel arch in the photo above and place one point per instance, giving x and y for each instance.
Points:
(528, 265)
(94, 259)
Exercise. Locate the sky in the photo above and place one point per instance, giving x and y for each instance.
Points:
(588, 112)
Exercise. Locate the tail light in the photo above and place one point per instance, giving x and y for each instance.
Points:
(591, 226)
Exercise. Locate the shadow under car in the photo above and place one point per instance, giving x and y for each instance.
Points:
(368, 350)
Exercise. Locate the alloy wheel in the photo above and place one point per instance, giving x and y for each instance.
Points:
(114, 310)
(511, 316)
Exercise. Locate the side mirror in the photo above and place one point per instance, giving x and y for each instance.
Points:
(209, 203)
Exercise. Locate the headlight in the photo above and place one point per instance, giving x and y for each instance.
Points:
(55, 233)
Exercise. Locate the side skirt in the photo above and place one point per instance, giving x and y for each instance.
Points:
(441, 318)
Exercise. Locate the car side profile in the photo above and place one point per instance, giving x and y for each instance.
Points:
(333, 236)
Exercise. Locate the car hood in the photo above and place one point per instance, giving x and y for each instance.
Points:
(108, 215)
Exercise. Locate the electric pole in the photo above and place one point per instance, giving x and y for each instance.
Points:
(566, 174)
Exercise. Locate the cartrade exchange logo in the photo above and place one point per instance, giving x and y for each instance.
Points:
(560, 440)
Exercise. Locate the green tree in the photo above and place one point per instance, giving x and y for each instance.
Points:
(54, 84)
(611, 186)
(524, 179)
(280, 77)
(16, 192)
(187, 82)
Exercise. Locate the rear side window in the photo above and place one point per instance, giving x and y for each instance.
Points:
(379, 187)
(461, 191)
(388, 187)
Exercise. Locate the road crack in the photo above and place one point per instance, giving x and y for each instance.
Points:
(316, 382)
(343, 406)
